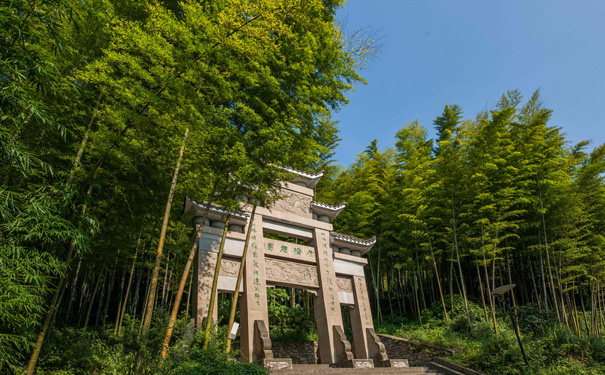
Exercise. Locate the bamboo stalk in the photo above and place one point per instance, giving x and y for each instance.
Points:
(217, 269)
(179, 293)
(240, 275)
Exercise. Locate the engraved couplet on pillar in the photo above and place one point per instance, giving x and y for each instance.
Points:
(253, 305)
(327, 305)
(361, 318)
(205, 269)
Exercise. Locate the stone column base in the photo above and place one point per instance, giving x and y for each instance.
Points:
(276, 363)
(393, 363)
(356, 363)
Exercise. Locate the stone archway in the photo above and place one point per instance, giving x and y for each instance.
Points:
(330, 265)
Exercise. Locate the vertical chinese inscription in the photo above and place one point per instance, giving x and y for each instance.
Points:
(364, 306)
(327, 308)
(254, 304)
(255, 263)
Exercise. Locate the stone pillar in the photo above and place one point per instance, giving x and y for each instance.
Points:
(253, 303)
(204, 271)
(361, 318)
(327, 304)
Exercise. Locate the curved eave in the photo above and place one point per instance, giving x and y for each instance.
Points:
(325, 209)
(309, 179)
(195, 209)
(351, 242)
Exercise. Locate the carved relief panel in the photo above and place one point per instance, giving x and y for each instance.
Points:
(294, 203)
(229, 267)
(345, 284)
(282, 271)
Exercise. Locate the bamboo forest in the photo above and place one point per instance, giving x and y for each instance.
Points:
(113, 113)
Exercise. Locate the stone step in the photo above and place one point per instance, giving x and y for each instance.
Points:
(358, 372)
(445, 370)
(325, 369)
(454, 366)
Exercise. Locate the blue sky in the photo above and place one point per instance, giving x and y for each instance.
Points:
(470, 52)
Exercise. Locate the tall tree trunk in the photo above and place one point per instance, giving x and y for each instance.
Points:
(165, 283)
(564, 311)
(416, 295)
(542, 274)
(101, 297)
(83, 295)
(72, 294)
(482, 292)
(378, 310)
(536, 289)
(451, 280)
(83, 143)
(447, 319)
(121, 319)
(31, 365)
(584, 313)
(158, 261)
(489, 295)
(136, 296)
(401, 293)
(188, 294)
(422, 294)
(190, 258)
(121, 305)
(552, 281)
(468, 315)
(109, 292)
(92, 300)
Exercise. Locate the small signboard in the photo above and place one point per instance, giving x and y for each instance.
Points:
(233, 332)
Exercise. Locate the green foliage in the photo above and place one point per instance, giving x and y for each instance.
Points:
(75, 351)
(551, 349)
(95, 98)
(535, 321)
(193, 360)
(287, 323)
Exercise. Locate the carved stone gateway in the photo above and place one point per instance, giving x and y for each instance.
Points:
(327, 264)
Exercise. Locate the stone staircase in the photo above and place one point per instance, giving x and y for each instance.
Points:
(326, 369)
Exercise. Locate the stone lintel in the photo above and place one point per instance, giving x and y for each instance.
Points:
(346, 267)
(219, 232)
(234, 247)
(292, 219)
(286, 229)
(351, 258)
